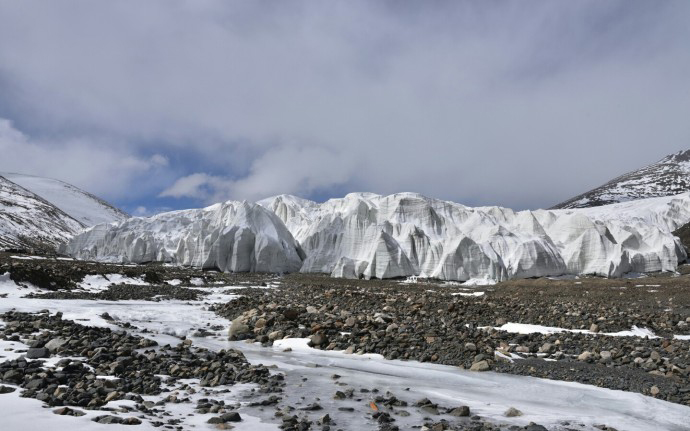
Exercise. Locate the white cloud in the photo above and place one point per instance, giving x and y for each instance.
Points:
(192, 186)
(98, 167)
(480, 102)
(294, 170)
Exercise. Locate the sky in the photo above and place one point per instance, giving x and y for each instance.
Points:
(156, 105)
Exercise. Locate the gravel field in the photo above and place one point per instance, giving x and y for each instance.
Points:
(586, 330)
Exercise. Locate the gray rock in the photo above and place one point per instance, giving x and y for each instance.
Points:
(584, 356)
(260, 323)
(54, 344)
(38, 352)
(461, 411)
(107, 419)
(291, 313)
(512, 412)
(546, 348)
(318, 339)
(480, 366)
(237, 327)
(66, 411)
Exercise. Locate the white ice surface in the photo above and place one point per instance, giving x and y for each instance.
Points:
(401, 235)
(468, 294)
(525, 328)
(479, 282)
(98, 282)
(408, 234)
(232, 236)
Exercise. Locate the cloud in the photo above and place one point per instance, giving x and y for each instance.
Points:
(479, 102)
(192, 186)
(142, 211)
(98, 167)
(293, 170)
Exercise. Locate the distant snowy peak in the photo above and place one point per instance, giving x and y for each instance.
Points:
(669, 176)
(26, 219)
(84, 207)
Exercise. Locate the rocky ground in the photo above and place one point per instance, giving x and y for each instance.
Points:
(64, 362)
(426, 322)
(135, 363)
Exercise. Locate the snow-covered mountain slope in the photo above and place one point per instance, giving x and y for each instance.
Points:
(232, 236)
(669, 176)
(26, 219)
(368, 235)
(86, 208)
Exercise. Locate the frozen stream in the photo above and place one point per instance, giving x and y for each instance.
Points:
(550, 403)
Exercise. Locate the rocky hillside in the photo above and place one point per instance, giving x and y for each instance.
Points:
(28, 221)
(87, 209)
(669, 176)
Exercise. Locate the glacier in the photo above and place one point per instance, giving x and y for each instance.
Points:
(230, 236)
(366, 235)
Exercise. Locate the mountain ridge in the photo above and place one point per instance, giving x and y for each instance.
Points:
(81, 205)
(666, 177)
(27, 220)
(38, 212)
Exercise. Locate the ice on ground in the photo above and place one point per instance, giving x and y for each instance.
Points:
(479, 282)
(99, 283)
(302, 345)
(525, 328)
(468, 294)
(488, 394)
(10, 289)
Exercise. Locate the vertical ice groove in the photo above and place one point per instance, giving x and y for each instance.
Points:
(365, 235)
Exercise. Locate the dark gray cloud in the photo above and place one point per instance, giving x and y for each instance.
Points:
(521, 104)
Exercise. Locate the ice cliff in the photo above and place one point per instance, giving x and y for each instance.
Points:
(368, 235)
(230, 236)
